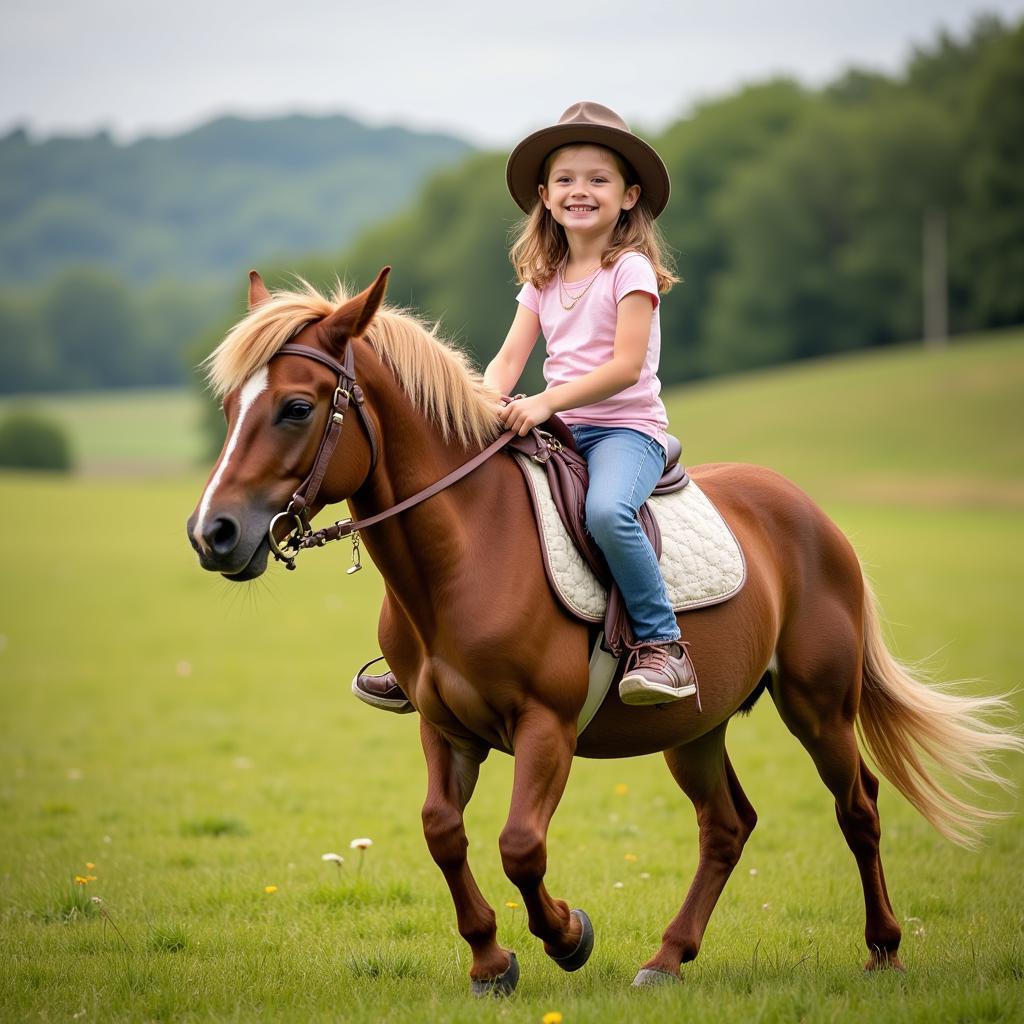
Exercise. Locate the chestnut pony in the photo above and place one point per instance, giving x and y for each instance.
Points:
(490, 660)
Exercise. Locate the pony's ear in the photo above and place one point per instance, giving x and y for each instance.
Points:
(258, 293)
(352, 319)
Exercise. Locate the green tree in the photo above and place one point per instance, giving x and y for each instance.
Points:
(94, 324)
(993, 224)
(31, 441)
(825, 235)
(449, 254)
(705, 154)
(27, 358)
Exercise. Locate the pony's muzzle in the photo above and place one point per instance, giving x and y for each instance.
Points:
(217, 536)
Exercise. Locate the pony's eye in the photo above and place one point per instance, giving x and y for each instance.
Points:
(297, 411)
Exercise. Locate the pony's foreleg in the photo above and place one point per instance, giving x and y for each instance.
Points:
(725, 819)
(544, 745)
(451, 778)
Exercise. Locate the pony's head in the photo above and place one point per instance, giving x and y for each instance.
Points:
(277, 408)
(285, 373)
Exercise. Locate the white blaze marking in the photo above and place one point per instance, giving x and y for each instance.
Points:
(251, 390)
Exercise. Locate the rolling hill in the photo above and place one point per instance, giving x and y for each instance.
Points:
(229, 192)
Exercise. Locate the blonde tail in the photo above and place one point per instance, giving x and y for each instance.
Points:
(902, 718)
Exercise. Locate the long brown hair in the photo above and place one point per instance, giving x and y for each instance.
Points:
(539, 245)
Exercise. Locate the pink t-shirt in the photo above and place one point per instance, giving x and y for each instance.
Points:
(583, 338)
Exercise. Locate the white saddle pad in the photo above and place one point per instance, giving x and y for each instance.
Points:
(701, 559)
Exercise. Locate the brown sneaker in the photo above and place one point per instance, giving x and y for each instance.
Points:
(381, 692)
(658, 674)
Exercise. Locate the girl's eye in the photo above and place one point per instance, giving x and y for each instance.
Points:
(297, 411)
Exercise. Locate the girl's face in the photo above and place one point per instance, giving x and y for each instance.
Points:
(586, 191)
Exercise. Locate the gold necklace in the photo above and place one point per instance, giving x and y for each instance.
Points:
(563, 290)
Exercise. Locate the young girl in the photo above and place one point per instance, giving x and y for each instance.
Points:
(592, 264)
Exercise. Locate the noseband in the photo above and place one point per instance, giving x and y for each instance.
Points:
(346, 392)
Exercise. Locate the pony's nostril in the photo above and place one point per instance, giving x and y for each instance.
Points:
(222, 535)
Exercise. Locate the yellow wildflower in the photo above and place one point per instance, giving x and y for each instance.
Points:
(631, 857)
(551, 1017)
(89, 866)
(81, 880)
(621, 789)
(269, 889)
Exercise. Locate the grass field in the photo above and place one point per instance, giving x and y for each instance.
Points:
(195, 743)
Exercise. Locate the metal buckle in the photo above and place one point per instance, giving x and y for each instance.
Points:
(356, 564)
(551, 446)
(290, 545)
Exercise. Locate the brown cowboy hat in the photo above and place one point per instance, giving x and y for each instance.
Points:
(591, 124)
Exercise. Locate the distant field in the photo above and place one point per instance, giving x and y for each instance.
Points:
(195, 742)
(874, 414)
(126, 433)
(902, 425)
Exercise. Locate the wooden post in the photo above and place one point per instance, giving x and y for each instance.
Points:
(934, 283)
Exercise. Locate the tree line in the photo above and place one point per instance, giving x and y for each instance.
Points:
(88, 329)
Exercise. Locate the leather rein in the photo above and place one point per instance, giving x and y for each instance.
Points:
(347, 393)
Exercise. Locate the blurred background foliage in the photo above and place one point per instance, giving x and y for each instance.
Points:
(29, 440)
(797, 218)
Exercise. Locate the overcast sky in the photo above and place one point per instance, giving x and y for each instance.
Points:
(489, 72)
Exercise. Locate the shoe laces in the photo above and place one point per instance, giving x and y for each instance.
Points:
(648, 656)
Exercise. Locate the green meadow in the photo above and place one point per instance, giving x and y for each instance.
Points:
(189, 749)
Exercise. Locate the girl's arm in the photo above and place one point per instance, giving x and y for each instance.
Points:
(632, 334)
(505, 369)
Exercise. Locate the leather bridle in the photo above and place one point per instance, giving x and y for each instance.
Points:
(347, 392)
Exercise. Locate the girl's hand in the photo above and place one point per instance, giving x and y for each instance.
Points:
(522, 414)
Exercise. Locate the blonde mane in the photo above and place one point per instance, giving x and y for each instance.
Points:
(438, 378)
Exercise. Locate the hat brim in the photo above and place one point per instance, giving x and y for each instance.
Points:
(525, 163)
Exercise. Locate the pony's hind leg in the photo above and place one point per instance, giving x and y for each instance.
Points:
(817, 694)
(726, 819)
(837, 758)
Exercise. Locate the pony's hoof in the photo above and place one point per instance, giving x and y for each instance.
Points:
(581, 954)
(503, 985)
(646, 977)
(880, 961)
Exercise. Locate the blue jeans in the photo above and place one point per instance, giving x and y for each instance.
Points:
(625, 466)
